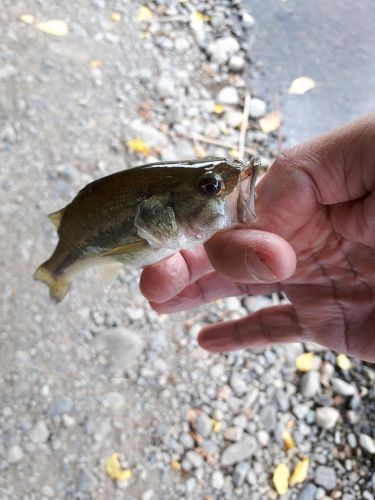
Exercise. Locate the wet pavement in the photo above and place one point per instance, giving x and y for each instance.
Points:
(331, 42)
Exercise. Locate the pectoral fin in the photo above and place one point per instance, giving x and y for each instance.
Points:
(133, 246)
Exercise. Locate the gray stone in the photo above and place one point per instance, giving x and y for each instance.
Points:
(234, 120)
(263, 438)
(223, 48)
(148, 495)
(195, 459)
(233, 433)
(367, 495)
(190, 484)
(186, 440)
(228, 95)
(343, 388)
(247, 20)
(373, 481)
(60, 406)
(237, 63)
(217, 370)
(352, 440)
(165, 86)
(15, 454)
(238, 451)
(149, 134)
(40, 432)
(258, 108)
(240, 472)
(124, 346)
(367, 443)
(268, 417)
(114, 400)
(308, 492)
(217, 480)
(326, 417)
(237, 384)
(181, 44)
(203, 424)
(310, 384)
(325, 477)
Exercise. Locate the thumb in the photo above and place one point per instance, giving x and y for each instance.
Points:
(251, 256)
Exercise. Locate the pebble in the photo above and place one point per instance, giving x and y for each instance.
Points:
(186, 440)
(238, 384)
(233, 433)
(326, 477)
(217, 371)
(248, 20)
(223, 48)
(181, 44)
(343, 388)
(238, 451)
(15, 454)
(268, 417)
(240, 472)
(217, 480)
(310, 384)
(228, 95)
(232, 303)
(367, 443)
(308, 492)
(40, 432)
(148, 495)
(352, 440)
(237, 63)
(258, 108)
(165, 86)
(234, 120)
(263, 438)
(326, 417)
(203, 425)
(60, 406)
(194, 458)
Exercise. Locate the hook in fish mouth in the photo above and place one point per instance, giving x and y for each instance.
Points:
(246, 201)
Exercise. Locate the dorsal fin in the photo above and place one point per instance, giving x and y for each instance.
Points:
(55, 217)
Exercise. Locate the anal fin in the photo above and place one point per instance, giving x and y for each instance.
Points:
(108, 273)
(55, 217)
(133, 246)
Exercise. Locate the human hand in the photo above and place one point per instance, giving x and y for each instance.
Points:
(314, 240)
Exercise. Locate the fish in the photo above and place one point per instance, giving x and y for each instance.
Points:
(144, 214)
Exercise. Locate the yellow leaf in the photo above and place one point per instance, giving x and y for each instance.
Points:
(54, 27)
(115, 17)
(343, 362)
(114, 470)
(216, 425)
(27, 18)
(175, 465)
(301, 85)
(137, 145)
(300, 472)
(289, 442)
(96, 63)
(197, 19)
(280, 479)
(218, 109)
(305, 362)
(144, 14)
(270, 122)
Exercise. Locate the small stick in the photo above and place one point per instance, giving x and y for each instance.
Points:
(244, 124)
(215, 142)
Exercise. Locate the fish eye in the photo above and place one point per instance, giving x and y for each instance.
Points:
(211, 184)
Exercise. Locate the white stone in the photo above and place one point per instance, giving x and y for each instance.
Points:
(217, 480)
(367, 443)
(326, 417)
(15, 454)
(258, 108)
(228, 95)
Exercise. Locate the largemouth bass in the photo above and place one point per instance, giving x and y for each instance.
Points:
(142, 215)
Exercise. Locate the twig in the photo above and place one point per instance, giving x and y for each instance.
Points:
(215, 142)
(244, 124)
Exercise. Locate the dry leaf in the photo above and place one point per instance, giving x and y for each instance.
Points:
(300, 472)
(343, 362)
(301, 85)
(270, 122)
(115, 17)
(216, 425)
(144, 14)
(197, 19)
(218, 109)
(280, 479)
(137, 145)
(288, 440)
(305, 362)
(27, 18)
(114, 470)
(54, 27)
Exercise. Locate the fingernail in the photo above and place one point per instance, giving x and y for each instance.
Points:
(257, 266)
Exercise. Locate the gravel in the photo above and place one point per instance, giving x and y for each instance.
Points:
(102, 373)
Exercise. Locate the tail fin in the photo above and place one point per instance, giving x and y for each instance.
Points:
(58, 287)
